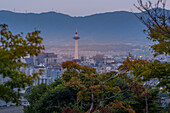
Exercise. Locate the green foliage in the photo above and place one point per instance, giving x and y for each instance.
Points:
(153, 103)
(52, 98)
(157, 35)
(34, 97)
(143, 70)
(12, 48)
(136, 98)
(120, 106)
(36, 93)
(157, 20)
(57, 97)
(93, 86)
(88, 81)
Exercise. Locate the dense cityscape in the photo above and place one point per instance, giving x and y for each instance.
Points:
(102, 61)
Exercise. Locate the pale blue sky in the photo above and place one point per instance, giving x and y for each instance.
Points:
(70, 7)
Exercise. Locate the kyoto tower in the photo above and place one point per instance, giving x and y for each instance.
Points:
(76, 37)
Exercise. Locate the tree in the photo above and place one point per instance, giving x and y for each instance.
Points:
(144, 70)
(34, 97)
(51, 98)
(145, 100)
(157, 20)
(93, 86)
(137, 96)
(12, 48)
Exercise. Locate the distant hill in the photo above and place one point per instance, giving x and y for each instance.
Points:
(57, 28)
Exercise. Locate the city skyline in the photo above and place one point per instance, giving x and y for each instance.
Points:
(70, 7)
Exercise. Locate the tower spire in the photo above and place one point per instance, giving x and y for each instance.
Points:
(76, 34)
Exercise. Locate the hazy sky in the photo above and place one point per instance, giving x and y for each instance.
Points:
(70, 7)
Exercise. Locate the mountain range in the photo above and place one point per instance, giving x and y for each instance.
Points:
(57, 28)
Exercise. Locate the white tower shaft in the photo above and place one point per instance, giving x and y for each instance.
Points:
(76, 49)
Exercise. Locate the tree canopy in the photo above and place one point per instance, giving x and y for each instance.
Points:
(12, 49)
(51, 98)
(93, 86)
(157, 20)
